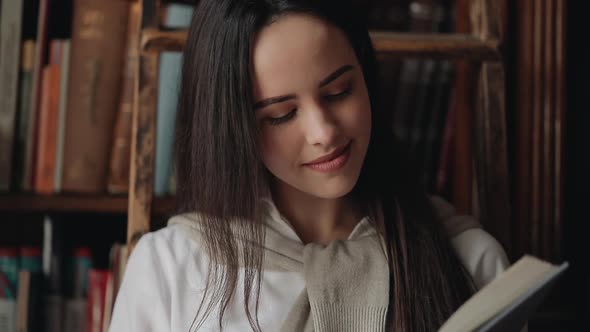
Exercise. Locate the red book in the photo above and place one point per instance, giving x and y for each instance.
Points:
(48, 122)
(47, 136)
(97, 288)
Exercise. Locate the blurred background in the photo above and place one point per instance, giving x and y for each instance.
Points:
(489, 98)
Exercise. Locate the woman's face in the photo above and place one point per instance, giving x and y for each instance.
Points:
(312, 106)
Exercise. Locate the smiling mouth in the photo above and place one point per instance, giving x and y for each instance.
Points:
(333, 161)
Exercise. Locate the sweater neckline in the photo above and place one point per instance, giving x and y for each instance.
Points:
(282, 225)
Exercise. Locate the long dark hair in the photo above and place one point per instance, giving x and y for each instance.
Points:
(221, 176)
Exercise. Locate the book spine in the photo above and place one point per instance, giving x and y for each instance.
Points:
(36, 303)
(176, 16)
(10, 38)
(47, 137)
(98, 41)
(30, 259)
(7, 315)
(75, 315)
(8, 288)
(41, 151)
(61, 122)
(75, 304)
(29, 33)
(108, 302)
(169, 76)
(26, 81)
(436, 121)
(97, 287)
(446, 149)
(54, 308)
(8, 272)
(407, 87)
(39, 60)
(121, 149)
(24, 282)
(53, 268)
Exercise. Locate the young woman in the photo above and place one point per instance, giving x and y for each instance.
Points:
(297, 212)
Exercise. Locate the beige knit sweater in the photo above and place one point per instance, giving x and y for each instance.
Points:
(347, 282)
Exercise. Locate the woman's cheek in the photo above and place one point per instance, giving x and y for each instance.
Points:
(277, 148)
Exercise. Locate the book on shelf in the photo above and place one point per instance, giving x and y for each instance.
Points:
(30, 302)
(433, 144)
(75, 302)
(61, 117)
(176, 16)
(11, 19)
(8, 288)
(53, 271)
(25, 86)
(118, 178)
(49, 119)
(96, 63)
(444, 163)
(7, 315)
(28, 48)
(97, 290)
(506, 303)
(39, 59)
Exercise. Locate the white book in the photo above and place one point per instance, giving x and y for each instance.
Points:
(506, 303)
(7, 315)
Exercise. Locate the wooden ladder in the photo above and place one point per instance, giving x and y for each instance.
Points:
(479, 50)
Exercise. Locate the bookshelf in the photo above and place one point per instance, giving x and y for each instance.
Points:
(447, 46)
(479, 48)
(77, 203)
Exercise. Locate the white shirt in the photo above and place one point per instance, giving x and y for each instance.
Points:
(166, 273)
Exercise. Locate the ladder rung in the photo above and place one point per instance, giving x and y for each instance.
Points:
(446, 46)
(449, 46)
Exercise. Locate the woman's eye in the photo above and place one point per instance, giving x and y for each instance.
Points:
(282, 119)
(338, 95)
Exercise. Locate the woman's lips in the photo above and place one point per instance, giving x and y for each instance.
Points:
(333, 163)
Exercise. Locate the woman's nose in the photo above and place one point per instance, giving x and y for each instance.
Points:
(321, 128)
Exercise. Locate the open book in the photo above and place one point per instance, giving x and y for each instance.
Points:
(506, 303)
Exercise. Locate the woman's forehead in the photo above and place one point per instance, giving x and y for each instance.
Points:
(297, 47)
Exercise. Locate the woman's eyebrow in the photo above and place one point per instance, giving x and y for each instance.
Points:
(337, 73)
(279, 99)
(273, 100)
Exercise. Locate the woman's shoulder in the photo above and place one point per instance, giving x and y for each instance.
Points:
(168, 247)
(163, 253)
(171, 239)
(481, 254)
(164, 268)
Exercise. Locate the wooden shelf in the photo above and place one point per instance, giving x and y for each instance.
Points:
(77, 203)
(448, 46)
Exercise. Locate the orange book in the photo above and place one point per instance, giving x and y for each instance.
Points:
(48, 122)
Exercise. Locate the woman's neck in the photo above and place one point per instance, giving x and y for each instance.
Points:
(317, 220)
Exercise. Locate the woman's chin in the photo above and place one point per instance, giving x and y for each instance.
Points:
(333, 189)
